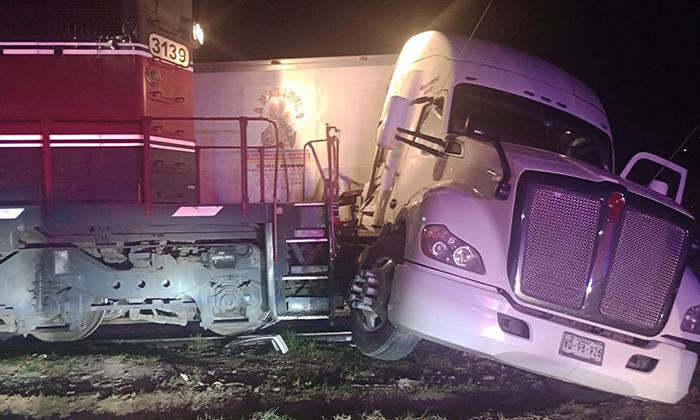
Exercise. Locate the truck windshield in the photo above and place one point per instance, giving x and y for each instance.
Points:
(513, 119)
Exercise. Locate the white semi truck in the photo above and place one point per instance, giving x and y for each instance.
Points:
(507, 234)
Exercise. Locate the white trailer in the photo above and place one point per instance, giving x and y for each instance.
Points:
(301, 96)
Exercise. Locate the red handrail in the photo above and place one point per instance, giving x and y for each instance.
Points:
(330, 183)
(47, 182)
(145, 123)
(147, 197)
(310, 145)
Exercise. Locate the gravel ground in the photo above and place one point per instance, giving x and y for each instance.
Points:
(313, 381)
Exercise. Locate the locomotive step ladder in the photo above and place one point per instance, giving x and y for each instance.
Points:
(310, 286)
(311, 232)
(309, 291)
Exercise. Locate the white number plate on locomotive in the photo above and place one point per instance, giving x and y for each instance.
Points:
(169, 50)
(581, 348)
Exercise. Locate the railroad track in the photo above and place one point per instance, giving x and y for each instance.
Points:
(226, 341)
(152, 336)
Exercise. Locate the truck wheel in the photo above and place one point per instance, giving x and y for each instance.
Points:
(372, 332)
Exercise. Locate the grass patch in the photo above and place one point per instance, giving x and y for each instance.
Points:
(343, 389)
(468, 386)
(300, 346)
(436, 362)
(199, 344)
(428, 392)
(178, 380)
(268, 415)
(48, 364)
(423, 391)
(27, 363)
(352, 371)
(575, 410)
(309, 389)
(258, 415)
(208, 417)
(141, 358)
(377, 415)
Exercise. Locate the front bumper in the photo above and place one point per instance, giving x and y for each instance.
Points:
(452, 311)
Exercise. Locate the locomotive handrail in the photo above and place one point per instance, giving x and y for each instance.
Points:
(333, 187)
(331, 183)
(333, 148)
(310, 145)
(145, 124)
(261, 160)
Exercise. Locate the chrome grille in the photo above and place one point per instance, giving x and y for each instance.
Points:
(644, 264)
(560, 234)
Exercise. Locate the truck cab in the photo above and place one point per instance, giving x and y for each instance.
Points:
(507, 234)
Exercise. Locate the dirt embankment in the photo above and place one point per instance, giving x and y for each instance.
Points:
(314, 380)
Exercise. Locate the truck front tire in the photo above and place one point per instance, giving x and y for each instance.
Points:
(383, 340)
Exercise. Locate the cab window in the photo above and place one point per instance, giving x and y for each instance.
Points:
(431, 119)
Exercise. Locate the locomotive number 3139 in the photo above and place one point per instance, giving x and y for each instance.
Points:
(168, 50)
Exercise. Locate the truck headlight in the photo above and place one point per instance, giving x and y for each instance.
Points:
(438, 243)
(691, 320)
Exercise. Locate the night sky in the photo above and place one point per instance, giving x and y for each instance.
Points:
(641, 57)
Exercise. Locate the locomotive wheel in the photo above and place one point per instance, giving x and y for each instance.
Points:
(373, 333)
(92, 321)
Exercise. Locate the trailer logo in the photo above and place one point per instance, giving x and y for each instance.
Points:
(281, 105)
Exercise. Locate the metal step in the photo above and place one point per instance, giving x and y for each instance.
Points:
(364, 233)
(289, 316)
(306, 240)
(312, 217)
(308, 269)
(310, 204)
(316, 305)
(304, 277)
(309, 233)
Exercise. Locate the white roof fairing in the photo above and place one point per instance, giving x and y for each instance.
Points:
(492, 65)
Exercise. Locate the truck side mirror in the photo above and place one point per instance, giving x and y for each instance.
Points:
(656, 185)
(395, 114)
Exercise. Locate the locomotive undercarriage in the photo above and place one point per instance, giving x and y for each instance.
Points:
(60, 279)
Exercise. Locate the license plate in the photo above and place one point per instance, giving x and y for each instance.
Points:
(168, 50)
(581, 348)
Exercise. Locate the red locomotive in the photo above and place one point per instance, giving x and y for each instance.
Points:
(81, 75)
